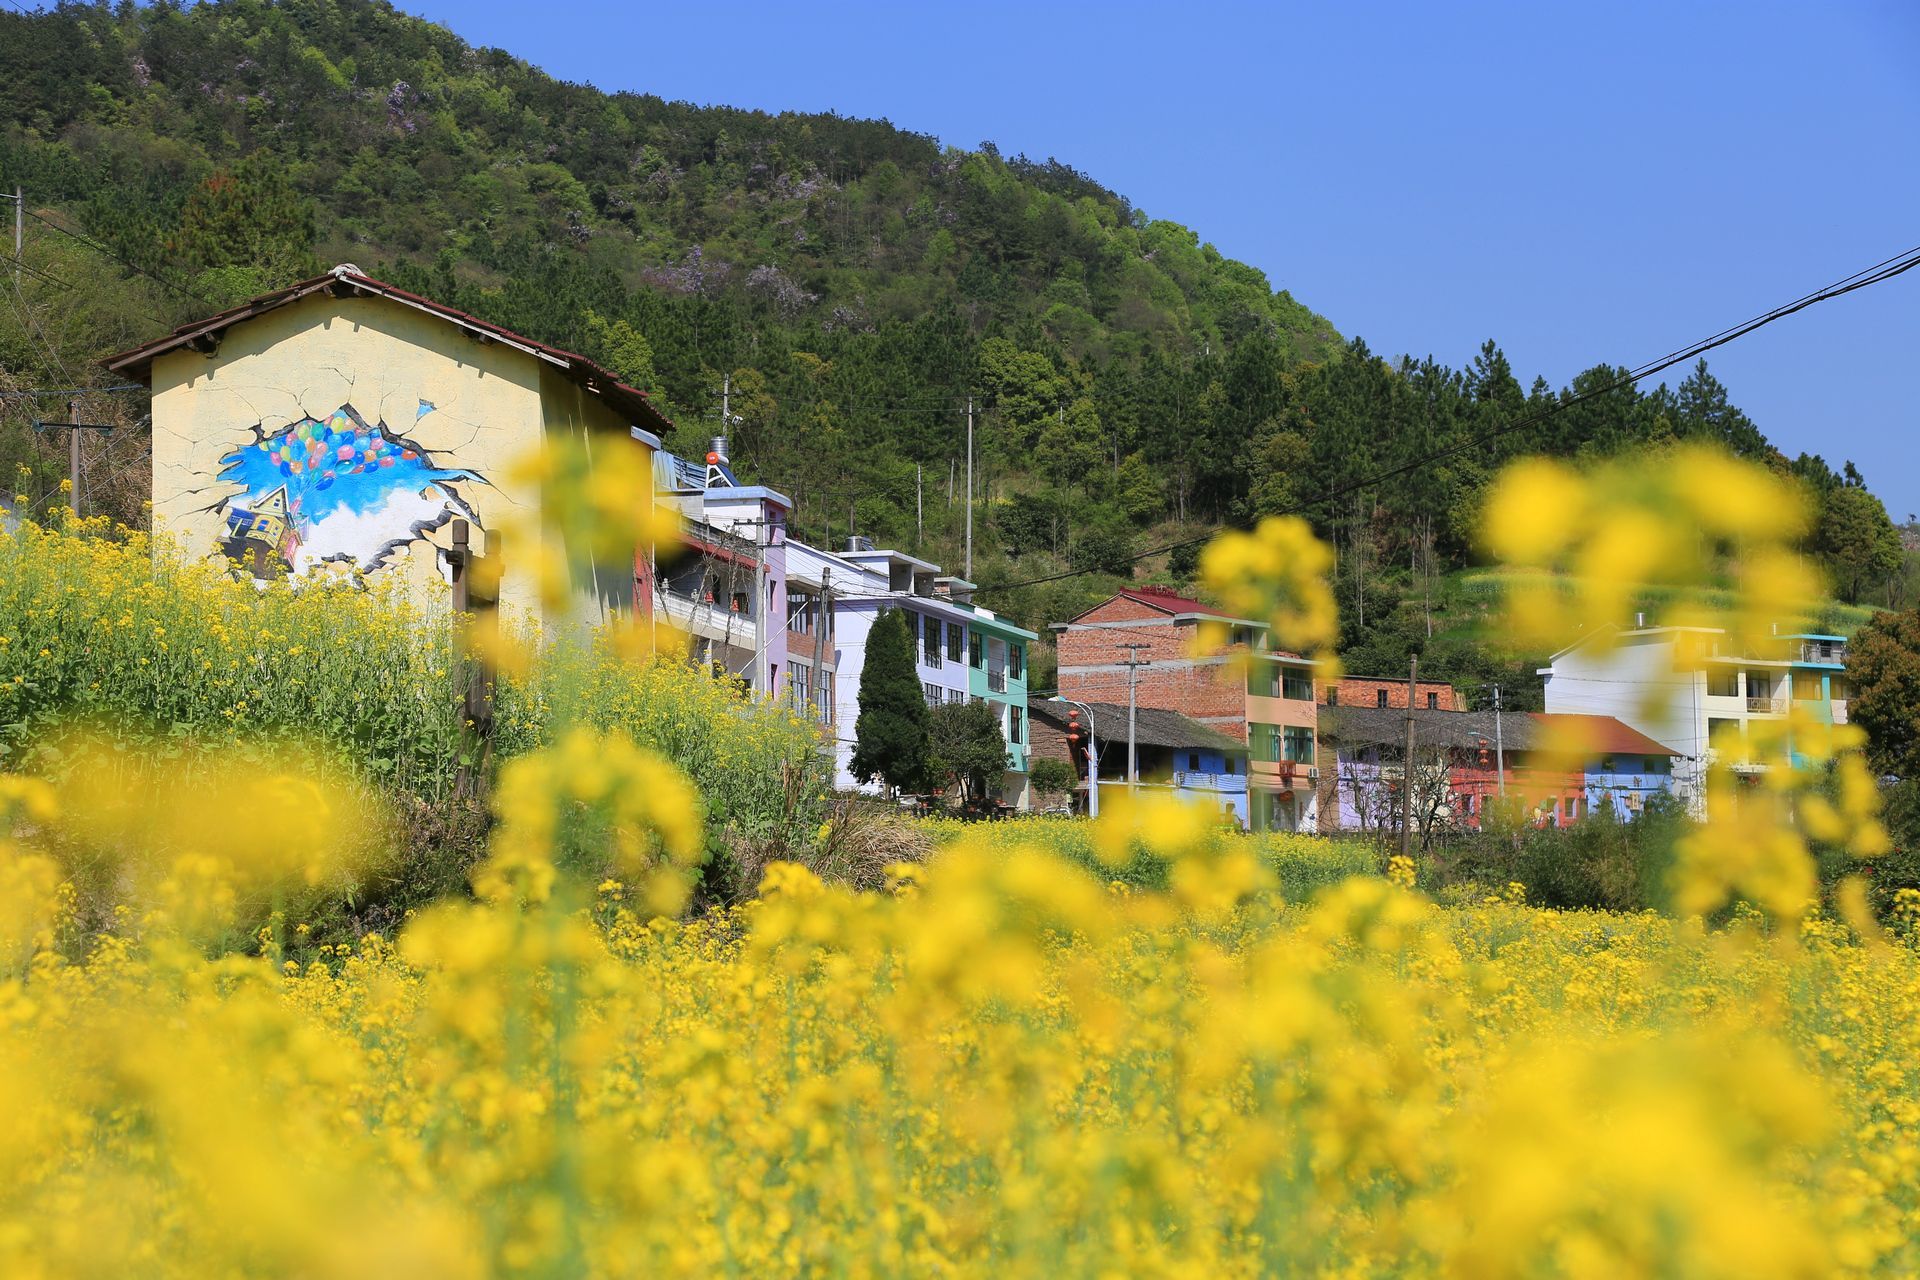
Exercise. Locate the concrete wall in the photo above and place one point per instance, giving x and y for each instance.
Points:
(406, 419)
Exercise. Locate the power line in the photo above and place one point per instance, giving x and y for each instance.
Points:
(72, 391)
(1881, 271)
(130, 265)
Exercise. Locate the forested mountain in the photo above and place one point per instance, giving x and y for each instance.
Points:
(851, 282)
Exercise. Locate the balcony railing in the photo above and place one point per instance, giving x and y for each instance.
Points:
(1777, 706)
(1823, 651)
(1196, 781)
(997, 681)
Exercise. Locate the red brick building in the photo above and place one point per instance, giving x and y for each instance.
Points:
(1385, 691)
(1244, 689)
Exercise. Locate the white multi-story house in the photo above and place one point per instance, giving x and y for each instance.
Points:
(961, 651)
(723, 580)
(1686, 687)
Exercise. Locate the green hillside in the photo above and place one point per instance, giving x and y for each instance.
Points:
(852, 282)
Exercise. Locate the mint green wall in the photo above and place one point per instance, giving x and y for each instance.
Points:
(1015, 694)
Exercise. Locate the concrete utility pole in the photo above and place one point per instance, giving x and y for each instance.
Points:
(820, 623)
(19, 229)
(1406, 773)
(1499, 745)
(919, 507)
(1133, 663)
(73, 448)
(969, 573)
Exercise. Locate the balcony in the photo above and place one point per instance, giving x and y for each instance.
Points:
(1231, 783)
(1827, 651)
(1768, 706)
(996, 682)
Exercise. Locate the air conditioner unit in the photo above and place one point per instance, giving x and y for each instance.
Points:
(1313, 773)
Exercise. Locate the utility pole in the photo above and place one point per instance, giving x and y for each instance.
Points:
(19, 229)
(820, 624)
(969, 573)
(1406, 773)
(1133, 663)
(73, 447)
(726, 393)
(919, 507)
(1499, 745)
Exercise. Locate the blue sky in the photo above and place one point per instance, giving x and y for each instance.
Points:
(1579, 182)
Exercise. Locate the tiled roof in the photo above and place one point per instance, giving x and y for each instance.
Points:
(349, 281)
(1152, 726)
(1607, 735)
(1465, 730)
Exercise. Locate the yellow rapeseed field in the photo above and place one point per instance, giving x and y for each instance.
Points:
(1006, 1066)
(1008, 1063)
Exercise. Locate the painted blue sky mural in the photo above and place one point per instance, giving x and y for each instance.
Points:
(354, 492)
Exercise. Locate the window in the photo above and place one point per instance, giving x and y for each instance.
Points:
(1263, 741)
(800, 614)
(955, 637)
(913, 628)
(933, 692)
(1806, 686)
(1433, 701)
(1379, 697)
(798, 679)
(1232, 767)
(932, 646)
(1193, 762)
(1014, 725)
(826, 695)
(1723, 684)
(1016, 661)
(1297, 744)
(1296, 684)
(739, 602)
(976, 650)
(1333, 695)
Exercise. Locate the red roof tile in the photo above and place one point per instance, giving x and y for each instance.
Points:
(138, 361)
(1606, 734)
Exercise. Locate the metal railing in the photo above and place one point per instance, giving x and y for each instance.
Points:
(1777, 705)
(997, 681)
(1192, 780)
(1823, 651)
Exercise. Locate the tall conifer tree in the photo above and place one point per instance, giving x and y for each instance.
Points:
(891, 734)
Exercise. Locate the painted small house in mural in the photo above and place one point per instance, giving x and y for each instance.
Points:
(257, 535)
(341, 425)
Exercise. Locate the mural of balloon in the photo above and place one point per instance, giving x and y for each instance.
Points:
(338, 489)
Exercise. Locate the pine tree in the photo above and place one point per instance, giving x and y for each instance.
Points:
(891, 734)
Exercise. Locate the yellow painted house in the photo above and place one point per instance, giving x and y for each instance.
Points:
(343, 423)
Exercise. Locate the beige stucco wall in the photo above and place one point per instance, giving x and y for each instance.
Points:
(492, 404)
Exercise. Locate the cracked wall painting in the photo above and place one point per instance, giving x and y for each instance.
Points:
(334, 491)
